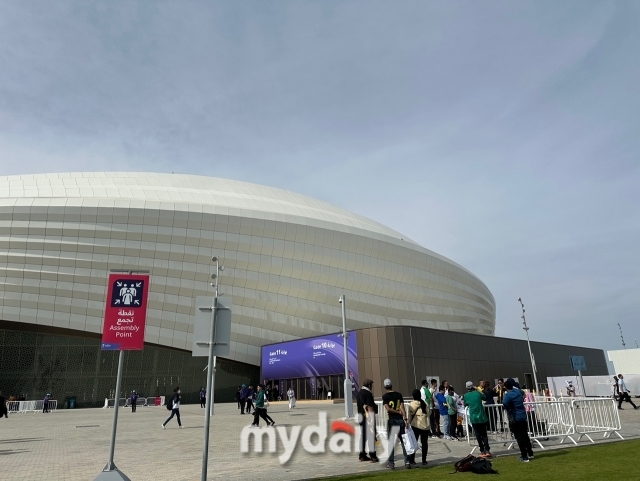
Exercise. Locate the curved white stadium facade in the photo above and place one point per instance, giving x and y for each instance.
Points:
(288, 258)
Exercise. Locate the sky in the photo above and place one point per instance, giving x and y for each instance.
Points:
(499, 134)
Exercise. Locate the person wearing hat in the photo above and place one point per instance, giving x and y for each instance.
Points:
(394, 405)
(478, 418)
(367, 419)
(134, 400)
(517, 416)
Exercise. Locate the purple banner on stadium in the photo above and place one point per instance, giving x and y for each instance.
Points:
(316, 356)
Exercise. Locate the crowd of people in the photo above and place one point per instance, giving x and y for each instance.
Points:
(438, 411)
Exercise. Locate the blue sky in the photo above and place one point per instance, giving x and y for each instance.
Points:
(500, 134)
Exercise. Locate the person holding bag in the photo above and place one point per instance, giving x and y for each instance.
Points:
(418, 416)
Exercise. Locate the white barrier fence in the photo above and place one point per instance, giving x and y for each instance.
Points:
(30, 406)
(382, 418)
(594, 416)
(142, 402)
(554, 419)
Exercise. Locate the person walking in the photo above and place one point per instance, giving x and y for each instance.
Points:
(203, 397)
(175, 408)
(260, 411)
(616, 388)
(418, 415)
(435, 410)
(623, 394)
(478, 418)
(444, 410)
(366, 408)
(517, 416)
(134, 400)
(250, 394)
(45, 403)
(291, 395)
(394, 405)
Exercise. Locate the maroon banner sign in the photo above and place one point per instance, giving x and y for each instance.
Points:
(125, 315)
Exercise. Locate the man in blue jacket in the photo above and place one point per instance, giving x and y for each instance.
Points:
(517, 416)
(243, 398)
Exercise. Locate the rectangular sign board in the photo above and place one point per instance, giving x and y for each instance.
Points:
(311, 357)
(577, 363)
(202, 327)
(125, 314)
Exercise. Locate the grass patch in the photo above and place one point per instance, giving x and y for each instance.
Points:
(615, 461)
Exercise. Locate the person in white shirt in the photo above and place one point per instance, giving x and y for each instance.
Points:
(435, 411)
(292, 398)
(624, 393)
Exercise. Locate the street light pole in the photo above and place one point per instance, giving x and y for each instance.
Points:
(211, 371)
(533, 361)
(348, 401)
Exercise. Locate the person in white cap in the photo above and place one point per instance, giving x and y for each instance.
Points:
(394, 405)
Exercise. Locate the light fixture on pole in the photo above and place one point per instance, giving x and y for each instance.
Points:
(348, 386)
(624, 346)
(533, 361)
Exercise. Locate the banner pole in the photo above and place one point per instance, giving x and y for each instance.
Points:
(209, 402)
(116, 405)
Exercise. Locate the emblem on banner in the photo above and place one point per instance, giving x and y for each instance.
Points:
(127, 293)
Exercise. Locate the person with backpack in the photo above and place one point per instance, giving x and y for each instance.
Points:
(175, 408)
(394, 405)
(134, 400)
(478, 418)
(260, 410)
(203, 397)
(517, 415)
(366, 408)
(418, 415)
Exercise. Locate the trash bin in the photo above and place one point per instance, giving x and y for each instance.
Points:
(72, 403)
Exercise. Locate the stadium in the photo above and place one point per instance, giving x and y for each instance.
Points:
(287, 257)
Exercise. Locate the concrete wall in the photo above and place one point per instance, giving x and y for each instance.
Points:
(408, 354)
(625, 361)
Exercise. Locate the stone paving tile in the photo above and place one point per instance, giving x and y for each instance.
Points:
(54, 446)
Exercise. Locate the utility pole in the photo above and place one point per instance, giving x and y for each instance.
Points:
(348, 401)
(533, 361)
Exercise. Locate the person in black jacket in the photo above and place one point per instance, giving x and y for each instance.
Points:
(366, 416)
(175, 408)
(3, 406)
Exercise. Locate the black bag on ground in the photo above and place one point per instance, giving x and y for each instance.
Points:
(464, 464)
(482, 466)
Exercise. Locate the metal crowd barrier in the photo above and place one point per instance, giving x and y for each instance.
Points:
(30, 406)
(498, 431)
(550, 419)
(142, 402)
(382, 418)
(593, 416)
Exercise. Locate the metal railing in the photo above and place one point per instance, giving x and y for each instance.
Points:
(126, 402)
(593, 416)
(30, 406)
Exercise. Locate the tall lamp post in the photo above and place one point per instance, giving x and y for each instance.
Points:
(533, 361)
(348, 401)
(211, 371)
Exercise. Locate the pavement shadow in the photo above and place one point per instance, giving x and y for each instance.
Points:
(5, 452)
(23, 440)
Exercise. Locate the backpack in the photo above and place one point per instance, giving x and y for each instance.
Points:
(464, 464)
(482, 466)
(168, 401)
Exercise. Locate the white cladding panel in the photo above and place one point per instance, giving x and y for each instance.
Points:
(288, 258)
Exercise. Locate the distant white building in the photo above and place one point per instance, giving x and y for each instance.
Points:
(625, 361)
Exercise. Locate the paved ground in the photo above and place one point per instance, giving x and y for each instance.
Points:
(73, 445)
